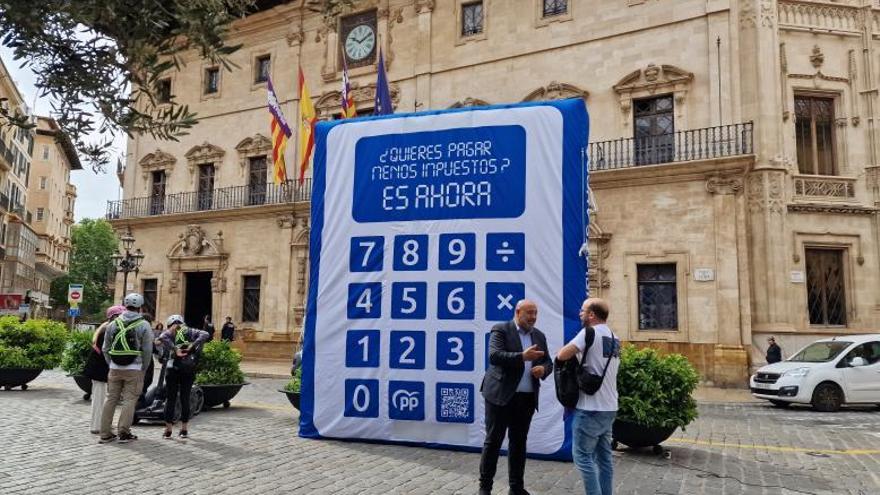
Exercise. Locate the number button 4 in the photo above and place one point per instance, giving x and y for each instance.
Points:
(367, 254)
(364, 300)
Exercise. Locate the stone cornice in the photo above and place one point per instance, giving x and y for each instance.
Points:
(251, 212)
(832, 209)
(667, 173)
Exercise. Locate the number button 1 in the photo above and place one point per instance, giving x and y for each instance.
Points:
(362, 349)
(458, 251)
(367, 254)
(364, 300)
(455, 351)
(410, 253)
(407, 350)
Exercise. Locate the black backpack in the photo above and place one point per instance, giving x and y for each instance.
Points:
(124, 349)
(572, 378)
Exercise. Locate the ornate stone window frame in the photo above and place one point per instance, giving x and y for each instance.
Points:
(836, 91)
(255, 65)
(206, 65)
(541, 21)
(203, 154)
(651, 81)
(238, 296)
(252, 147)
(482, 35)
(469, 102)
(681, 259)
(155, 161)
(848, 244)
(329, 103)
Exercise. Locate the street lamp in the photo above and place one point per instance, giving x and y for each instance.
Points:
(128, 262)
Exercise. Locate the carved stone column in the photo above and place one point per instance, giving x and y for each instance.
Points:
(767, 248)
(726, 212)
(424, 11)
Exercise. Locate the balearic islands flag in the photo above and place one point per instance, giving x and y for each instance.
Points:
(280, 134)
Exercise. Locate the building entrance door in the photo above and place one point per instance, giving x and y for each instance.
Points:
(199, 301)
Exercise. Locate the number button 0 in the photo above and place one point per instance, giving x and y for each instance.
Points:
(409, 300)
(455, 351)
(407, 350)
(367, 254)
(458, 251)
(364, 300)
(361, 398)
(362, 349)
(455, 300)
(410, 253)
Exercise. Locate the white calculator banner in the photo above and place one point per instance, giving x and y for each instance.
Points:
(426, 230)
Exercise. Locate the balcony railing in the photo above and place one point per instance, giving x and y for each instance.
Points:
(225, 198)
(682, 146)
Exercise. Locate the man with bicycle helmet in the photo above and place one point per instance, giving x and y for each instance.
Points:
(184, 345)
(127, 347)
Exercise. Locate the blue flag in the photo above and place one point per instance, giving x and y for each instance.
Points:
(383, 104)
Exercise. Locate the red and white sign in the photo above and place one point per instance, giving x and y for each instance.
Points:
(74, 293)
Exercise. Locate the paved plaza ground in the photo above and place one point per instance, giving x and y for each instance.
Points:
(252, 448)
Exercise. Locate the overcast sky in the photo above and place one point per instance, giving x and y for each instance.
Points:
(93, 191)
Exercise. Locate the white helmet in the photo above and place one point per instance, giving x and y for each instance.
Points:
(174, 319)
(133, 300)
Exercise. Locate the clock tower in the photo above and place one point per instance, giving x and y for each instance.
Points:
(359, 39)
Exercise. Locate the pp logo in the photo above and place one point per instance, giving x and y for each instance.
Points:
(406, 400)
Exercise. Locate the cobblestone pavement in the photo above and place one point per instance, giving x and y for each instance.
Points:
(252, 448)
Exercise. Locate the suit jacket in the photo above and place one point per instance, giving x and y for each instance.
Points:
(506, 364)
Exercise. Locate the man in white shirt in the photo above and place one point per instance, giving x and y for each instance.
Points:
(598, 349)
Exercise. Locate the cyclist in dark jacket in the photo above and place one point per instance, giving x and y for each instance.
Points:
(184, 345)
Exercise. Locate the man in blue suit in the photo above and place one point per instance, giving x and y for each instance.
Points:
(519, 359)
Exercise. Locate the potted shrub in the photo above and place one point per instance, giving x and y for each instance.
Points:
(26, 349)
(656, 397)
(291, 389)
(73, 360)
(219, 373)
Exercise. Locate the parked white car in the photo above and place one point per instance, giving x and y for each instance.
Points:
(827, 374)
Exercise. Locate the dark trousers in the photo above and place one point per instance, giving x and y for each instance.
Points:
(178, 384)
(513, 420)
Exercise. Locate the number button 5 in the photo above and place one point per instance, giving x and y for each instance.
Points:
(408, 300)
(367, 254)
(458, 251)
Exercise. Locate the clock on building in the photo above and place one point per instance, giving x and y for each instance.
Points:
(359, 39)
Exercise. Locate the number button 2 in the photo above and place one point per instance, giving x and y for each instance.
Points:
(455, 351)
(407, 350)
(455, 300)
(367, 254)
(458, 251)
(410, 253)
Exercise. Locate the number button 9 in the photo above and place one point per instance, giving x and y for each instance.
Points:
(457, 251)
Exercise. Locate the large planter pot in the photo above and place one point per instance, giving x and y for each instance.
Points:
(220, 394)
(636, 436)
(293, 397)
(85, 384)
(18, 377)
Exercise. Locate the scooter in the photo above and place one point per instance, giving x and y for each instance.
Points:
(153, 407)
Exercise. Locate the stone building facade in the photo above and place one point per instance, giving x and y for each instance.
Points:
(733, 157)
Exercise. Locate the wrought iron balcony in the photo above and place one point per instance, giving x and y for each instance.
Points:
(682, 146)
(225, 198)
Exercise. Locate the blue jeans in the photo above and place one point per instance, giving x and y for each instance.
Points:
(591, 449)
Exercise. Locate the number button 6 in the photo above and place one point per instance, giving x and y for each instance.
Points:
(455, 300)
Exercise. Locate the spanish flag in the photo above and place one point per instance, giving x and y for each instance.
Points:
(307, 120)
(280, 134)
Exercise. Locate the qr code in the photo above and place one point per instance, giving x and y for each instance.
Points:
(455, 403)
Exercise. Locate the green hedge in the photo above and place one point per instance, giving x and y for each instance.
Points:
(76, 353)
(296, 382)
(219, 365)
(656, 390)
(32, 344)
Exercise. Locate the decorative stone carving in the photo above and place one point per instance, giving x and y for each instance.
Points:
(756, 193)
(330, 102)
(775, 202)
(194, 242)
(768, 13)
(724, 185)
(157, 160)
(423, 6)
(832, 208)
(203, 154)
(825, 188)
(174, 283)
(286, 221)
(819, 16)
(853, 93)
(817, 58)
(747, 15)
(469, 102)
(295, 37)
(218, 284)
(557, 91)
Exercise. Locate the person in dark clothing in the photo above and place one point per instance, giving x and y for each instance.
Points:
(774, 352)
(96, 369)
(183, 346)
(228, 330)
(208, 327)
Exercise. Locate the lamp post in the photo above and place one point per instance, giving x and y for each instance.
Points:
(128, 262)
